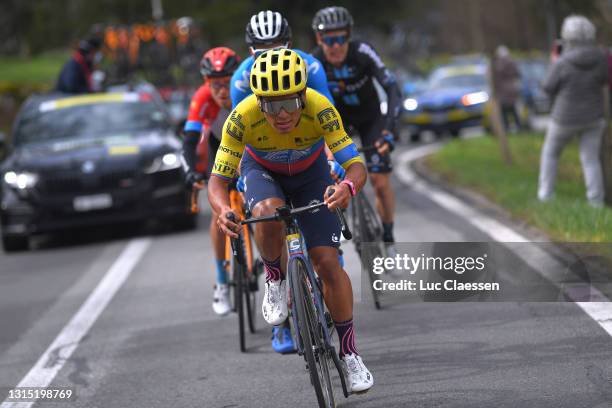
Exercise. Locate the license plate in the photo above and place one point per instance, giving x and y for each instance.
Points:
(93, 202)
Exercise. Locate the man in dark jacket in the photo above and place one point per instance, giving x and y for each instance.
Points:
(75, 77)
(507, 83)
(575, 82)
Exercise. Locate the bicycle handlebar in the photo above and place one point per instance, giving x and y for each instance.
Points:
(285, 213)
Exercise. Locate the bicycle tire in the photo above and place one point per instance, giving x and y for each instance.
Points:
(368, 252)
(310, 336)
(239, 290)
(252, 274)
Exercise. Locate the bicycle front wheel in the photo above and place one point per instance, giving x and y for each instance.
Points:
(240, 289)
(310, 335)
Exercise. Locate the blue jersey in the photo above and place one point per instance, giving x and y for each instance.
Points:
(317, 79)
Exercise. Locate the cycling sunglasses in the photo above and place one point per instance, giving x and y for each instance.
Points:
(218, 85)
(330, 40)
(273, 107)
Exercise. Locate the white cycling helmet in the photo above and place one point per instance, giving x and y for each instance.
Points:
(267, 27)
(577, 28)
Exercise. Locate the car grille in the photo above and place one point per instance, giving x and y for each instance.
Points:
(437, 109)
(58, 184)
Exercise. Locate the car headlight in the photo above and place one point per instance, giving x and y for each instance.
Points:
(20, 180)
(168, 161)
(474, 98)
(411, 104)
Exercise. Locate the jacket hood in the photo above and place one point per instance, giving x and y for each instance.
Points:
(584, 57)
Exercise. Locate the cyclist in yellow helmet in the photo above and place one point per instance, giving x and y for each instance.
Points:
(283, 127)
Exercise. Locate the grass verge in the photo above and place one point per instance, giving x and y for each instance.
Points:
(476, 164)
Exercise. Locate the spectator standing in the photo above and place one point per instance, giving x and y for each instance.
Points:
(575, 82)
(507, 85)
(76, 74)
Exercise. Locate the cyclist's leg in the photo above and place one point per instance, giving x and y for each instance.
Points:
(379, 169)
(263, 195)
(321, 231)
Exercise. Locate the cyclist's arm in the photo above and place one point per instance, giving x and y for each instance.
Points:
(387, 80)
(192, 132)
(340, 144)
(226, 164)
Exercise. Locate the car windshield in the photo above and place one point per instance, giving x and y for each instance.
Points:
(463, 81)
(88, 121)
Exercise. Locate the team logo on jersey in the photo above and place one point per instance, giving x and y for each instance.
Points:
(235, 127)
(313, 202)
(243, 84)
(328, 119)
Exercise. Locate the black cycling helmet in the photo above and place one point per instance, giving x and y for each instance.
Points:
(267, 27)
(332, 18)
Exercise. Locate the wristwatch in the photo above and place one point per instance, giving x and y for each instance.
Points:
(351, 186)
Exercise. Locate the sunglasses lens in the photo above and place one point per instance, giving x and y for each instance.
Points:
(288, 105)
(334, 39)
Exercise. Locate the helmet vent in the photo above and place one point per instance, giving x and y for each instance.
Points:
(264, 84)
(298, 77)
(285, 64)
(286, 82)
(275, 80)
(262, 66)
(274, 60)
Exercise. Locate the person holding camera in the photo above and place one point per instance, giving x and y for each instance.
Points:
(575, 82)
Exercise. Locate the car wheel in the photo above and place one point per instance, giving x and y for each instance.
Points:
(415, 137)
(455, 132)
(12, 243)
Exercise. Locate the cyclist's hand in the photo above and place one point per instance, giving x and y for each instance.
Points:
(385, 144)
(193, 179)
(340, 197)
(226, 225)
(336, 171)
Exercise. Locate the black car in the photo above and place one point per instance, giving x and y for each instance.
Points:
(89, 160)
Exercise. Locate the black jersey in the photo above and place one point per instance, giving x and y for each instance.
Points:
(353, 89)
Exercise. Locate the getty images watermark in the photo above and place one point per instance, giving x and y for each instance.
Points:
(487, 271)
(404, 263)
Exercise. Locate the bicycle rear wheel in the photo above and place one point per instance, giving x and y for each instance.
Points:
(370, 244)
(311, 336)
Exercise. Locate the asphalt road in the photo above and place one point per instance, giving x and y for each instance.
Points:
(157, 342)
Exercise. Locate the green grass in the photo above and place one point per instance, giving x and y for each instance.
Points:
(476, 164)
(38, 70)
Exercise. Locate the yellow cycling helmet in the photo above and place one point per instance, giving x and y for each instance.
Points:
(278, 72)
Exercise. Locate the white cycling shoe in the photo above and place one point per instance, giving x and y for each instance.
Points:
(221, 302)
(359, 378)
(274, 305)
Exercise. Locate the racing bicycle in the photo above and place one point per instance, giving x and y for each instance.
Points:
(313, 324)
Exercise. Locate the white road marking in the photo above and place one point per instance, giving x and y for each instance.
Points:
(599, 310)
(66, 342)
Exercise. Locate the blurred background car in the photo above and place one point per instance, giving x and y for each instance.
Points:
(533, 71)
(454, 98)
(88, 160)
